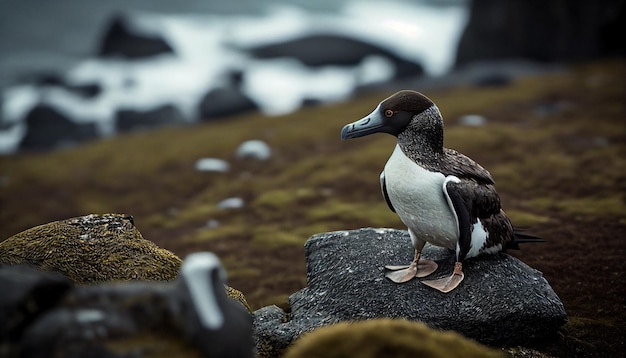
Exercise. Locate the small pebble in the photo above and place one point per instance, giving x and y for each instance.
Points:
(231, 203)
(212, 165)
(472, 120)
(254, 149)
(212, 224)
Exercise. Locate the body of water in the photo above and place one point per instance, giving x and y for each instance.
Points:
(64, 36)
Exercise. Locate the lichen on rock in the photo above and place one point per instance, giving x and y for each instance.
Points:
(91, 248)
(238, 296)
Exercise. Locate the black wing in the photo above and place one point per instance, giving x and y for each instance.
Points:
(463, 218)
(463, 167)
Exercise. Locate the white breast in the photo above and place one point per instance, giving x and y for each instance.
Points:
(418, 198)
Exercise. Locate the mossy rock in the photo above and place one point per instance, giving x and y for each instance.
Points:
(237, 296)
(386, 337)
(90, 249)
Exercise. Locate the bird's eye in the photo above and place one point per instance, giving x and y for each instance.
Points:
(388, 113)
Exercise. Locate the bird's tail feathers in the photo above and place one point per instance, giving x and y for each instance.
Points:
(520, 237)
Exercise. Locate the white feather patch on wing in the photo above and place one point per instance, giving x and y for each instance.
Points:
(479, 237)
(196, 270)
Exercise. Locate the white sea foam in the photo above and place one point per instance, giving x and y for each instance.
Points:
(206, 51)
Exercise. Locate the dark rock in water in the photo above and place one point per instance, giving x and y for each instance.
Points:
(224, 102)
(129, 120)
(191, 316)
(120, 40)
(92, 248)
(48, 129)
(44, 79)
(26, 293)
(51, 79)
(327, 50)
(86, 90)
(501, 301)
(545, 31)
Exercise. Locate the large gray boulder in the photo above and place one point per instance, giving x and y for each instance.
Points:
(502, 301)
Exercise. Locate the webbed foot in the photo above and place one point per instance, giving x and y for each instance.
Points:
(404, 273)
(447, 284)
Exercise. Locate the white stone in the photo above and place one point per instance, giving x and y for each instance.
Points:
(212, 165)
(231, 203)
(473, 120)
(255, 149)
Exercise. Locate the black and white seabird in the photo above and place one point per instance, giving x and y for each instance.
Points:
(442, 196)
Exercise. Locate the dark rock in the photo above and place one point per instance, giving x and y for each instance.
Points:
(71, 333)
(51, 79)
(334, 50)
(545, 31)
(122, 41)
(501, 301)
(92, 248)
(48, 129)
(129, 120)
(86, 90)
(45, 79)
(272, 335)
(145, 318)
(26, 293)
(217, 323)
(225, 102)
(138, 317)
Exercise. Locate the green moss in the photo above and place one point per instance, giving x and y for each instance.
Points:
(207, 234)
(271, 205)
(269, 236)
(597, 206)
(377, 214)
(238, 296)
(526, 219)
(386, 338)
(90, 249)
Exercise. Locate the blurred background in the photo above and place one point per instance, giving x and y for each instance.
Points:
(245, 101)
(72, 71)
(80, 70)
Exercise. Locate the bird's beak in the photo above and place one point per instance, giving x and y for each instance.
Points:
(372, 123)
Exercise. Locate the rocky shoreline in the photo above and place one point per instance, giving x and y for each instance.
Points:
(502, 302)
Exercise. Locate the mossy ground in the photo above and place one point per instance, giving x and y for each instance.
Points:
(555, 144)
(386, 338)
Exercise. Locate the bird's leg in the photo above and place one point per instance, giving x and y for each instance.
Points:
(417, 268)
(448, 284)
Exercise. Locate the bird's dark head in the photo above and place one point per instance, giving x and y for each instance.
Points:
(409, 115)
(394, 115)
